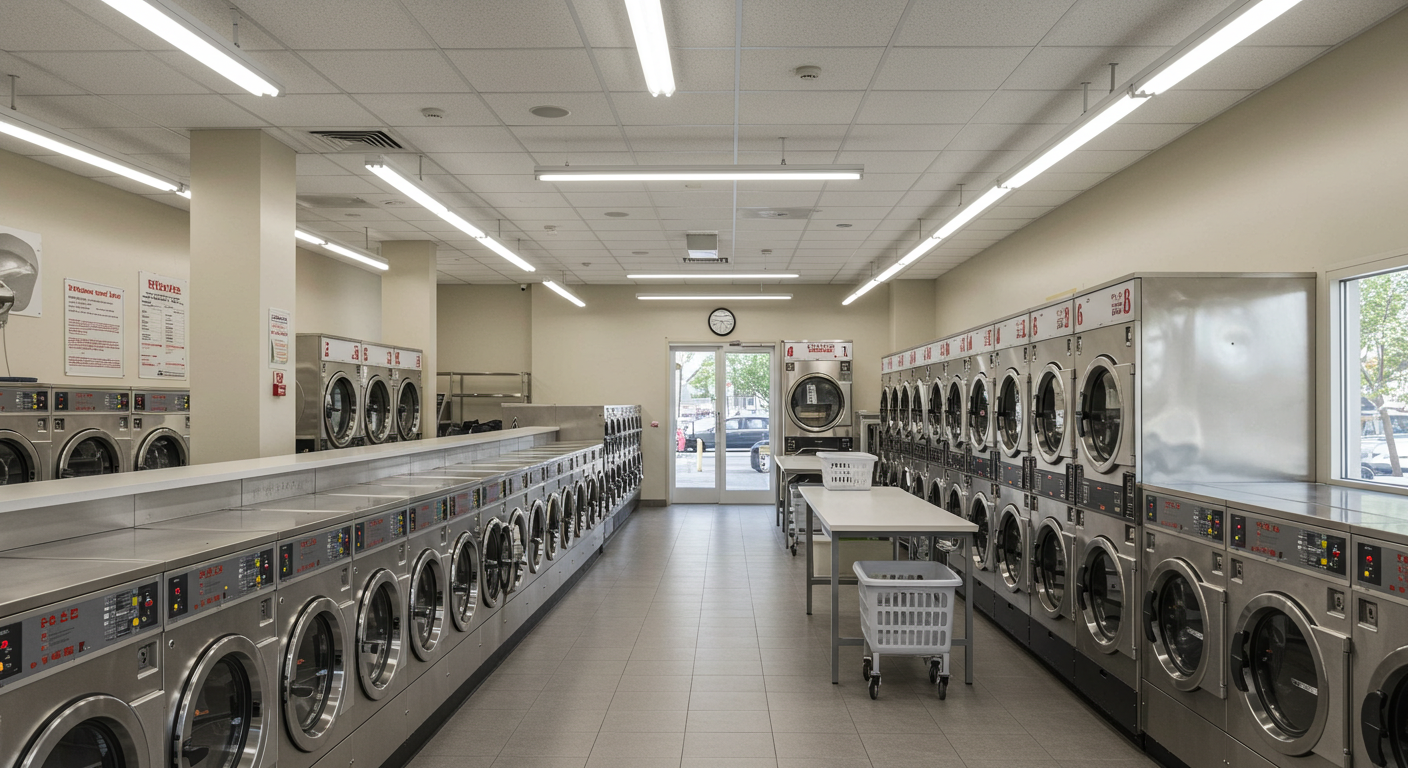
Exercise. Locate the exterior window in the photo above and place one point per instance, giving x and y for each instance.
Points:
(1374, 402)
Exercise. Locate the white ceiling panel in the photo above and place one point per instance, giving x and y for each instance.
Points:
(781, 107)
(569, 139)
(315, 111)
(387, 71)
(336, 24)
(991, 22)
(496, 24)
(949, 69)
(190, 111)
(929, 107)
(527, 70)
(460, 139)
(47, 25)
(405, 108)
(1003, 137)
(665, 137)
(901, 138)
(1126, 22)
(681, 109)
(695, 70)
(842, 69)
(113, 72)
(1058, 106)
(801, 140)
(1067, 68)
(810, 23)
(584, 108)
(137, 141)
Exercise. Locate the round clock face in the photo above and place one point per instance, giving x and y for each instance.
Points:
(722, 322)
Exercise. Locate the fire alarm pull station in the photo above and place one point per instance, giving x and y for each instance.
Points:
(280, 388)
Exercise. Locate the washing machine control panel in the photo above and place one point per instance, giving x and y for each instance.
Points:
(462, 503)
(1381, 568)
(1288, 543)
(24, 400)
(88, 401)
(1184, 517)
(161, 402)
(378, 531)
(1050, 483)
(314, 551)
(210, 585)
(427, 513)
(490, 492)
(65, 632)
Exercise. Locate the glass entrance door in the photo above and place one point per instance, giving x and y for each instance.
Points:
(723, 425)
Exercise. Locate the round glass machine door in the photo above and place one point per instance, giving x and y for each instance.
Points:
(1283, 673)
(953, 412)
(979, 414)
(313, 674)
(162, 451)
(408, 411)
(93, 732)
(816, 402)
(934, 412)
(219, 723)
(980, 514)
(379, 633)
(554, 526)
(1049, 569)
(1011, 549)
(464, 580)
(1010, 415)
(1049, 409)
(1177, 622)
(340, 410)
(17, 462)
(88, 455)
(1383, 711)
(378, 411)
(902, 416)
(537, 536)
(427, 604)
(493, 563)
(1103, 594)
(1101, 416)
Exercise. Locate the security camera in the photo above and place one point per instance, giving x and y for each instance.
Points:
(522, 286)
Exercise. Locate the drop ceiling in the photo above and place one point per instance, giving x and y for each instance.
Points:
(926, 94)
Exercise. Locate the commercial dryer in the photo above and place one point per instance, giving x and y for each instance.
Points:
(427, 594)
(816, 383)
(1011, 542)
(26, 451)
(81, 663)
(982, 388)
(1107, 632)
(379, 394)
(1010, 367)
(408, 374)
(92, 432)
(1379, 706)
(328, 386)
(380, 580)
(161, 428)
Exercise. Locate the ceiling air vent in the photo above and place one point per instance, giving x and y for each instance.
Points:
(702, 246)
(776, 213)
(709, 260)
(339, 141)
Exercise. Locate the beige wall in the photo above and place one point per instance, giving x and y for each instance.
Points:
(485, 328)
(1309, 173)
(617, 349)
(911, 313)
(337, 298)
(91, 231)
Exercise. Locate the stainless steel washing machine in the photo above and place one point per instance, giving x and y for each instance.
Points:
(1379, 706)
(1107, 402)
(81, 663)
(1289, 623)
(982, 386)
(328, 385)
(1107, 630)
(380, 582)
(379, 422)
(1053, 380)
(161, 428)
(816, 384)
(26, 450)
(955, 401)
(462, 568)
(1183, 621)
(982, 510)
(426, 595)
(1011, 543)
(409, 379)
(1052, 571)
(1010, 371)
(92, 431)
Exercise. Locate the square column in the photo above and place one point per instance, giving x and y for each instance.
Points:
(242, 263)
(408, 312)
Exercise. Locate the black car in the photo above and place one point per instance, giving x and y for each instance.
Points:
(761, 456)
(740, 432)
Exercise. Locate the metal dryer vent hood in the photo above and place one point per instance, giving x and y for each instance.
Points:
(702, 246)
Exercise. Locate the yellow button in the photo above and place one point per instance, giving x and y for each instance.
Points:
(134, 622)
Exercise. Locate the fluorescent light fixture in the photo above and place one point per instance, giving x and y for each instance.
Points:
(1088, 130)
(699, 173)
(171, 23)
(713, 297)
(42, 134)
(971, 212)
(405, 186)
(717, 276)
(890, 272)
(648, 26)
(1223, 36)
(861, 291)
(925, 245)
(564, 293)
(357, 256)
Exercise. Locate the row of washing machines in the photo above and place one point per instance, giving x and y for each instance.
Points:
(622, 431)
(354, 393)
(320, 630)
(49, 432)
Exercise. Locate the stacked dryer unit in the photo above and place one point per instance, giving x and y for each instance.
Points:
(92, 432)
(816, 396)
(408, 375)
(26, 448)
(380, 420)
(1379, 684)
(161, 428)
(328, 385)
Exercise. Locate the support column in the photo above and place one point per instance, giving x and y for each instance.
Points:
(242, 263)
(408, 313)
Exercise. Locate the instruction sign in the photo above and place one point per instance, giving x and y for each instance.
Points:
(161, 338)
(93, 325)
(280, 320)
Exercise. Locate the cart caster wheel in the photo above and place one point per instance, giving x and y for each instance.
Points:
(943, 689)
(794, 550)
(933, 672)
(875, 687)
(865, 668)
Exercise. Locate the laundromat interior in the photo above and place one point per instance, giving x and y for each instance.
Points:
(703, 383)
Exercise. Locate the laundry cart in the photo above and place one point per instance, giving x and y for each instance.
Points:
(906, 608)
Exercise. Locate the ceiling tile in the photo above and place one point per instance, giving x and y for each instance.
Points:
(809, 23)
(1055, 106)
(774, 107)
(45, 25)
(317, 111)
(930, 107)
(1067, 68)
(990, 137)
(337, 24)
(113, 72)
(570, 139)
(889, 162)
(694, 70)
(495, 24)
(404, 108)
(681, 109)
(387, 71)
(584, 108)
(991, 22)
(842, 69)
(668, 137)
(523, 71)
(948, 69)
(901, 138)
(1131, 22)
(460, 139)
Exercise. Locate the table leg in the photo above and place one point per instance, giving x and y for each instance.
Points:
(968, 612)
(810, 567)
(835, 609)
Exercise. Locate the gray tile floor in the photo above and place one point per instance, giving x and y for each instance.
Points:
(688, 645)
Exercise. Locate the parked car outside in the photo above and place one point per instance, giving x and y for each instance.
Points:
(740, 432)
(761, 456)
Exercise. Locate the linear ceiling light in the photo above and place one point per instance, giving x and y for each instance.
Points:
(171, 23)
(714, 297)
(717, 276)
(379, 166)
(1230, 27)
(564, 293)
(356, 256)
(699, 173)
(648, 26)
(42, 134)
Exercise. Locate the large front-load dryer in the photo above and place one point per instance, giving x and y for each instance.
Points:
(26, 450)
(380, 579)
(1379, 706)
(328, 386)
(1011, 541)
(408, 374)
(1183, 623)
(81, 663)
(816, 394)
(161, 428)
(981, 426)
(1289, 623)
(379, 422)
(427, 592)
(92, 431)
(1010, 373)
(1107, 628)
(1052, 573)
(1106, 403)
(1052, 403)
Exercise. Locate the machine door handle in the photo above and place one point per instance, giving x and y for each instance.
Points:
(1080, 587)
(1238, 657)
(1081, 416)
(1371, 719)
(1149, 616)
(194, 754)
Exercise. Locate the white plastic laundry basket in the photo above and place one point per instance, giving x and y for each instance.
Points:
(906, 607)
(846, 470)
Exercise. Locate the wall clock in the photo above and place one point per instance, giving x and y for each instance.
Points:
(722, 322)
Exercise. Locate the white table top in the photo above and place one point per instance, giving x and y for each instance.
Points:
(805, 463)
(881, 510)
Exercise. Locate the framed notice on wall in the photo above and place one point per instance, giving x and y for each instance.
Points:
(161, 338)
(280, 320)
(93, 326)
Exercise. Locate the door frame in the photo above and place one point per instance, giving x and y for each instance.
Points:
(720, 493)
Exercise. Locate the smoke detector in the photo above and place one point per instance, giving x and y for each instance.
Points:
(551, 230)
(434, 113)
(808, 72)
(767, 251)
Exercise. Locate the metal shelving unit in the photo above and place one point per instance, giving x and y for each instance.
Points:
(459, 395)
